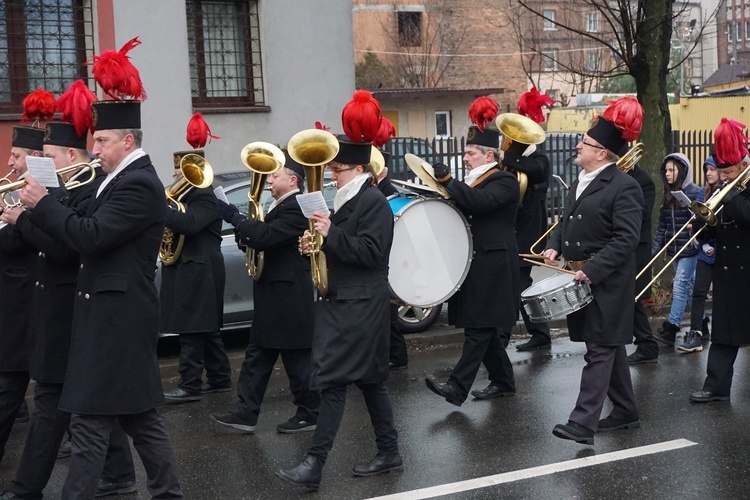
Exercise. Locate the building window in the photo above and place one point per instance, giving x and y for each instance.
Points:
(549, 19)
(593, 60)
(43, 44)
(410, 29)
(443, 123)
(592, 22)
(549, 57)
(224, 51)
(747, 30)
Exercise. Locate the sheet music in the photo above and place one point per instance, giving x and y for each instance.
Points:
(682, 198)
(220, 194)
(312, 202)
(43, 171)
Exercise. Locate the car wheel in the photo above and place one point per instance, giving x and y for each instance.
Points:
(417, 319)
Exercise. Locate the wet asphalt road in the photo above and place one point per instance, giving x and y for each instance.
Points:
(441, 443)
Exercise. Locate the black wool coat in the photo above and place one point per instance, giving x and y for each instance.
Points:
(603, 225)
(490, 295)
(192, 289)
(643, 250)
(283, 296)
(113, 368)
(352, 322)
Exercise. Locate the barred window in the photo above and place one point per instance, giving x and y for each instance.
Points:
(43, 44)
(224, 50)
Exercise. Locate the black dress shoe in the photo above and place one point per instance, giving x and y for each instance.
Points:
(534, 345)
(575, 432)
(394, 367)
(210, 388)
(306, 474)
(106, 488)
(176, 396)
(444, 389)
(379, 465)
(637, 357)
(65, 449)
(492, 391)
(7, 495)
(613, 424)
(706, 397)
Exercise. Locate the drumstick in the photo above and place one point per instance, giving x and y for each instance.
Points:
(551, 267)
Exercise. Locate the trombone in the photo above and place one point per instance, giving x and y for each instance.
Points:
(705, 212)
(6, 191)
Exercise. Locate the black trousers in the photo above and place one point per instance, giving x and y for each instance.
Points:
(538, 331)
(483, 345)
(13, 387)
(720, 368)
(332, 404)
(704, 275)
(199, 350)
(606, 375)
(46, 431)
(644, 337)
(256, 371)
(91, 434)
(398, 354)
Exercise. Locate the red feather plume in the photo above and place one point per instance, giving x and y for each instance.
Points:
(626, 113)
(198, 132)
(361, 117)
(75, 106)
(387, 130)
(38, 105)
(116, 75)
(320, 126)
(531, 104)
(730, 142)
(482, 111)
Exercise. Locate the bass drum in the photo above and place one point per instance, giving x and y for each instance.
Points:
(431, 251)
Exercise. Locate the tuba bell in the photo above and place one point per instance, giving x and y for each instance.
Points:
(313, 148)
(195, 172)
(518, 128)
(262, 159)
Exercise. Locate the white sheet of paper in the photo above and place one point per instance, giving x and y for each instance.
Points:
(682, 198)
(219, 193)
(43, 171)
(312, 202)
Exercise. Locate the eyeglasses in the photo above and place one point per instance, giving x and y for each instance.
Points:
(338, 170)
(591, 145)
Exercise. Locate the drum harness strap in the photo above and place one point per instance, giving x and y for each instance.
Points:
(576, 265)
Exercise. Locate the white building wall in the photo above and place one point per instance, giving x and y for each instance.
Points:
(308, 74)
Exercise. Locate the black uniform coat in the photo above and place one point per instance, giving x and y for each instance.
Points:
(731, 322)
(490, 295)
(283, 297)
(531, 220)
(52, 305)
(192, 289)
(386, 186)
(113, 368)
(17, 275)
(603, 225)
(643, 250)
(352, 322)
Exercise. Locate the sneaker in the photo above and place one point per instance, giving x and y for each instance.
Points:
(105, 488)
(233, 420)
(294, 425)
(692, 342)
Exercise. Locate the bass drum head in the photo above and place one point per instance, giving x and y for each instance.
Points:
(431, 252)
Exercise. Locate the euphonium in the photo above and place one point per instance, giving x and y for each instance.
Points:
(629, 160)
(313, 148)
(195, 172)
(523, 130)
(263, 159)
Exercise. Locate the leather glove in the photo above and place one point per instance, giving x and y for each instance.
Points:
(227, 211)
(442, 172)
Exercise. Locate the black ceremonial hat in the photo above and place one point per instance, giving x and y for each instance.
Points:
(353, 153)
(110, 115)
(487, 137)
(28, 137)
(292, 165)
(64, 134)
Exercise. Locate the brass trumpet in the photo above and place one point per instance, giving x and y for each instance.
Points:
(7, 190)
(313, 148)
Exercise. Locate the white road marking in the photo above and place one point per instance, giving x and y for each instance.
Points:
(543, 470)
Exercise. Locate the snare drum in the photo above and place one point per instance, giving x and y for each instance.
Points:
(555, 297)
(431, 251)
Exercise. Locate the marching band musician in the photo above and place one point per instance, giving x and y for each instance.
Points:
(531, 220)
(597, 237)
(283, 307)
(350, 343)
(113, 371)
(487, 303)
(731, 324)
(52, 315)
(197, 318)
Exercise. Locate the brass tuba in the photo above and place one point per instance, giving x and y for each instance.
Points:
(263, 159)
(521, 129)
(313, 148)
(196, 172)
